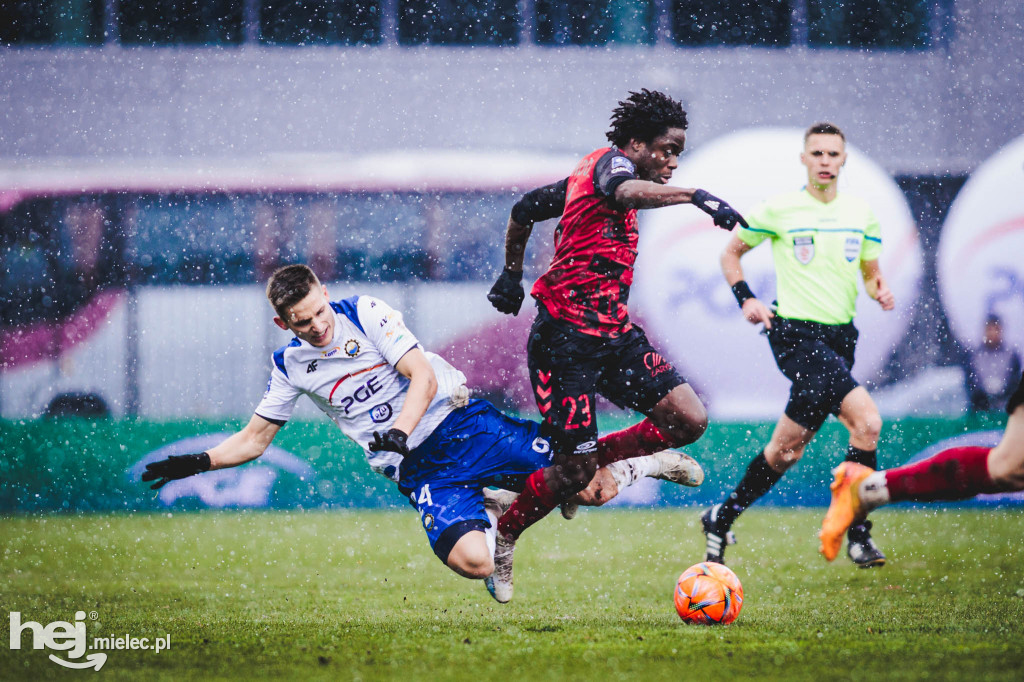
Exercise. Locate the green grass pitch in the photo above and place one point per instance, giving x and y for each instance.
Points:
(358, 595)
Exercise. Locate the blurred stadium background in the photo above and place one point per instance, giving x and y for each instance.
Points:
(158, 159)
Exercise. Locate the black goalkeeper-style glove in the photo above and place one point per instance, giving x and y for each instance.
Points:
(507, 293)
(724, 215)
(392, 440)
(175, 467)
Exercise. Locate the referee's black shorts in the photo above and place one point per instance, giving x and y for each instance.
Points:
(817, 359)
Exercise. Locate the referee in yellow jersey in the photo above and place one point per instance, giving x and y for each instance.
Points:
(821, 243)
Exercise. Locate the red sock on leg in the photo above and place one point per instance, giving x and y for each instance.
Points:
(532, 505)
(638, 440)
(954, 474)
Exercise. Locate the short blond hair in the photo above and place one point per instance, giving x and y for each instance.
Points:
(824, 128)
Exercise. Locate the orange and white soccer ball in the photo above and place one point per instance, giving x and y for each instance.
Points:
(708, 594)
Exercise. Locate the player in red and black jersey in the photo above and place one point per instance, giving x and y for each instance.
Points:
(582, 342)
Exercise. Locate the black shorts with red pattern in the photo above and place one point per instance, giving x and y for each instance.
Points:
(569, 368)
(1017, 399)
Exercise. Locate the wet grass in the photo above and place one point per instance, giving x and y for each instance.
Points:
(358, 595)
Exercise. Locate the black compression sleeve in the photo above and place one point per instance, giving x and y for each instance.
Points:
(541, 203)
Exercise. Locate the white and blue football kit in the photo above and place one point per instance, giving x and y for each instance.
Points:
(455, 452)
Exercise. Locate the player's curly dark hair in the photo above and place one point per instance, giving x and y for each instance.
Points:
(289, 285)
(644, 116)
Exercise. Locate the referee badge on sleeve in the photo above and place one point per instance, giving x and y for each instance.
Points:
(803, 249)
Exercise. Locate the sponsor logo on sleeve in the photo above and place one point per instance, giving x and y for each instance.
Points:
(622, 166)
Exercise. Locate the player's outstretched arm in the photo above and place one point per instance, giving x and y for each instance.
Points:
(246, 445)
(646, 194)
(876, 285)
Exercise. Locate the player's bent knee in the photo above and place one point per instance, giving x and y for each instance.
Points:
(470, 557)
(693, 428)
(463, 548)
(782, 460)
(871, 427)
(683, 428)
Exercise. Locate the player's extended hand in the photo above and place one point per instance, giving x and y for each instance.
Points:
(392, 440)
(507, 293)
(175, 467)
(757, 313)
(724, 215)
(884, 295)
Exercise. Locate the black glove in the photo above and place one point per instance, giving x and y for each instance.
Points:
(393, 440)
(175, 467)
(507, 293)
(724, 215)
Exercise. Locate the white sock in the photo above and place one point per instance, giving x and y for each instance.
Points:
(490, 534)
(873, 492)
(626, 472)
(647, 465)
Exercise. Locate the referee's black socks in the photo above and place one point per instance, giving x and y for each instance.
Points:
(758, 480)
(868, 458)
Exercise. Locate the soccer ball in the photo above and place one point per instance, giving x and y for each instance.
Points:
(707, 594)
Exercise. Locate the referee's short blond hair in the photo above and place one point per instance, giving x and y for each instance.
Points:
(824, 128)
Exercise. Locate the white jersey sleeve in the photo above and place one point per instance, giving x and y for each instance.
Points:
(385, 328)
(279, 399)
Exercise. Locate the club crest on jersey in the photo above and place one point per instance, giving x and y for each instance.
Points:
(803, 249)
(428, 521)
(351, 348)
(852, 248)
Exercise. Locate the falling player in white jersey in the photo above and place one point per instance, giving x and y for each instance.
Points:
(409, 409)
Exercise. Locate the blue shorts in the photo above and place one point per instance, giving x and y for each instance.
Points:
(475, 447)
